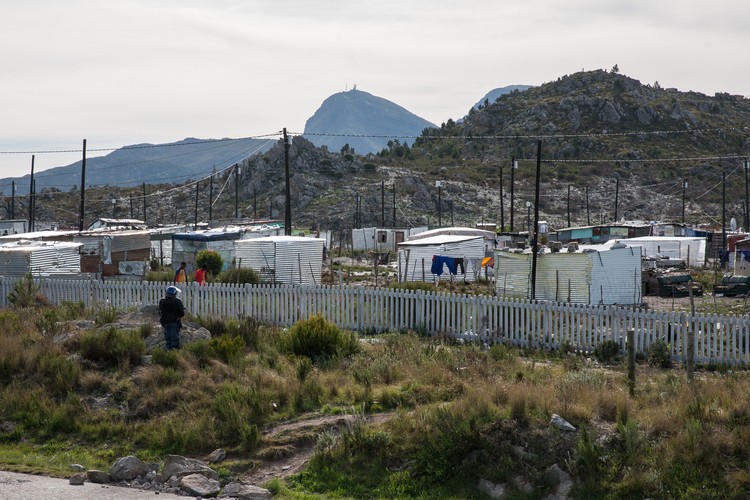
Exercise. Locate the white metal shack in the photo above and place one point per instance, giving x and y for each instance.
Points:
(40, 258)
(415, 257)
(291, 260)
(606, 276)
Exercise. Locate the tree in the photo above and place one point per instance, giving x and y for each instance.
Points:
(615, 69)
(212, 259)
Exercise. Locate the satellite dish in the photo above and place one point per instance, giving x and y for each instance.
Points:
(733, 224)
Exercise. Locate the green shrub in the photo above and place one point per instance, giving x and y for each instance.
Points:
(48, 322)
(160, 276)
(202, 351)
(607, 350)
(212, 259)
(228, 348)
(26, 293)
(315, 338)
(501, 352)
(659, 354)
(236, 407)
(165, 358)
(113, 347)
(105, 315)
(72, 310)
(242, 276)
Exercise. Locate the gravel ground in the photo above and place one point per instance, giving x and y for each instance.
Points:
(15, 486)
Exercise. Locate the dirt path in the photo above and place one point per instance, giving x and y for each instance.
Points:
(295, 442)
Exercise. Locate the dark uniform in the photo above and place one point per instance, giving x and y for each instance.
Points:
(171, 309)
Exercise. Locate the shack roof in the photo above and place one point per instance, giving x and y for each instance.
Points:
(439, 239)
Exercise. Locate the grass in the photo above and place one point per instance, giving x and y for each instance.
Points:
(459, 410)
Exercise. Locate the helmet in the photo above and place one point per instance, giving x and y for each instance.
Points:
(172, 291)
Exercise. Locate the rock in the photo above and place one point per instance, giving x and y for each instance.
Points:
(198, 484)
(555, 476)
(78, 479)
(98, 477)
(78, 467)
(242, 491)
(562, 424)
(6, 427)
(519, 452)
(492, 490)
(216, 456)
(522, 485)
(127, 468)
(147, 359)
(176, 465)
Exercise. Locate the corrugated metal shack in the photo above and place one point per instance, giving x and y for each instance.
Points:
(489, 237)
(40, 258)
(601, 233)
(415, 257)
(114, 253)
(609, 276)
(290, 260)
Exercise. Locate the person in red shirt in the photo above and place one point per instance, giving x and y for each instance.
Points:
(200, 275)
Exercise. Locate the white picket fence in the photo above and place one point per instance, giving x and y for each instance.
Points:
(719, 339)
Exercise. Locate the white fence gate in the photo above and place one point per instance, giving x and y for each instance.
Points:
(546, 325)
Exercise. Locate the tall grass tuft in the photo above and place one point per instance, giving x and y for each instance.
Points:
(113, 347)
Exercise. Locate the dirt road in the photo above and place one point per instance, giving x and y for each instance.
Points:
(14, 486)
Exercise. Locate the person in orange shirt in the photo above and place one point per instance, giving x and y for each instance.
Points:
(181, 276)
(200, 275)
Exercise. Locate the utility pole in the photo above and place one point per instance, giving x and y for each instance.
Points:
(568, 205)
(255, 203)
(439, 185)
(724, 210)
(617, 194)
(287, 189)
(144, 202)
(394, 203)
(132, 215)
(12, 199)
(588, 213)
(535, 240)
(211, 196)
(236, 190)
(451, 202)
(684, 188)
(502, 209)
(513, 168)
(195, 222)
(83, 189)
(382, 203)
(31, 196)
(747, 208)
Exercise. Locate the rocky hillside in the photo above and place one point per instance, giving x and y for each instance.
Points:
(600, 131)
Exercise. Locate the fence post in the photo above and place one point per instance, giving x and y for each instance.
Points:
(631, 361)
(690, 351)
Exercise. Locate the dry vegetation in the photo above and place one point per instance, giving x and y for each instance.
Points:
(458, 411)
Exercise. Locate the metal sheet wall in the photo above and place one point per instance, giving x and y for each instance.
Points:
(420, 259)
(512, 275)
(616, 277)
(563, 277)
(287, 260)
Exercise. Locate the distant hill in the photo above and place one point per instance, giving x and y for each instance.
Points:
(150, 163)
(493, 95)
(357, 113)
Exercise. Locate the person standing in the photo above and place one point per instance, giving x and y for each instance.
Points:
(171, 309)
(200, 275)
(181, 276)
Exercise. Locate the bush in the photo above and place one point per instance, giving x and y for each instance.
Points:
(26, 293)
(212, 259)
(113, 347)
(607, 350)
(659, 354)
(242, 276)
(165, 358)
(315, 338)
(229, 349)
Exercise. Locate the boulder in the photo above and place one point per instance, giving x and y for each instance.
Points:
(562, 481)
(560, 423)
(492, 490)
(243, 491)
(128, 468)
(178, 466)
(98, 477)
(200, 485)
(78, 479)
(216, 456)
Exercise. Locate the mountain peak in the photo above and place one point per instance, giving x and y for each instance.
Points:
(355, 117)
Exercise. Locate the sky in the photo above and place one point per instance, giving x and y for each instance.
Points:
(127, 72)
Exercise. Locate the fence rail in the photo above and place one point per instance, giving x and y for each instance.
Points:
(719, 339)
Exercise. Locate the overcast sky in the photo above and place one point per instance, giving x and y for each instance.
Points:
(124, 72)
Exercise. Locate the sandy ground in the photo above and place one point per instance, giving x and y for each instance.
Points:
(15, 486)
